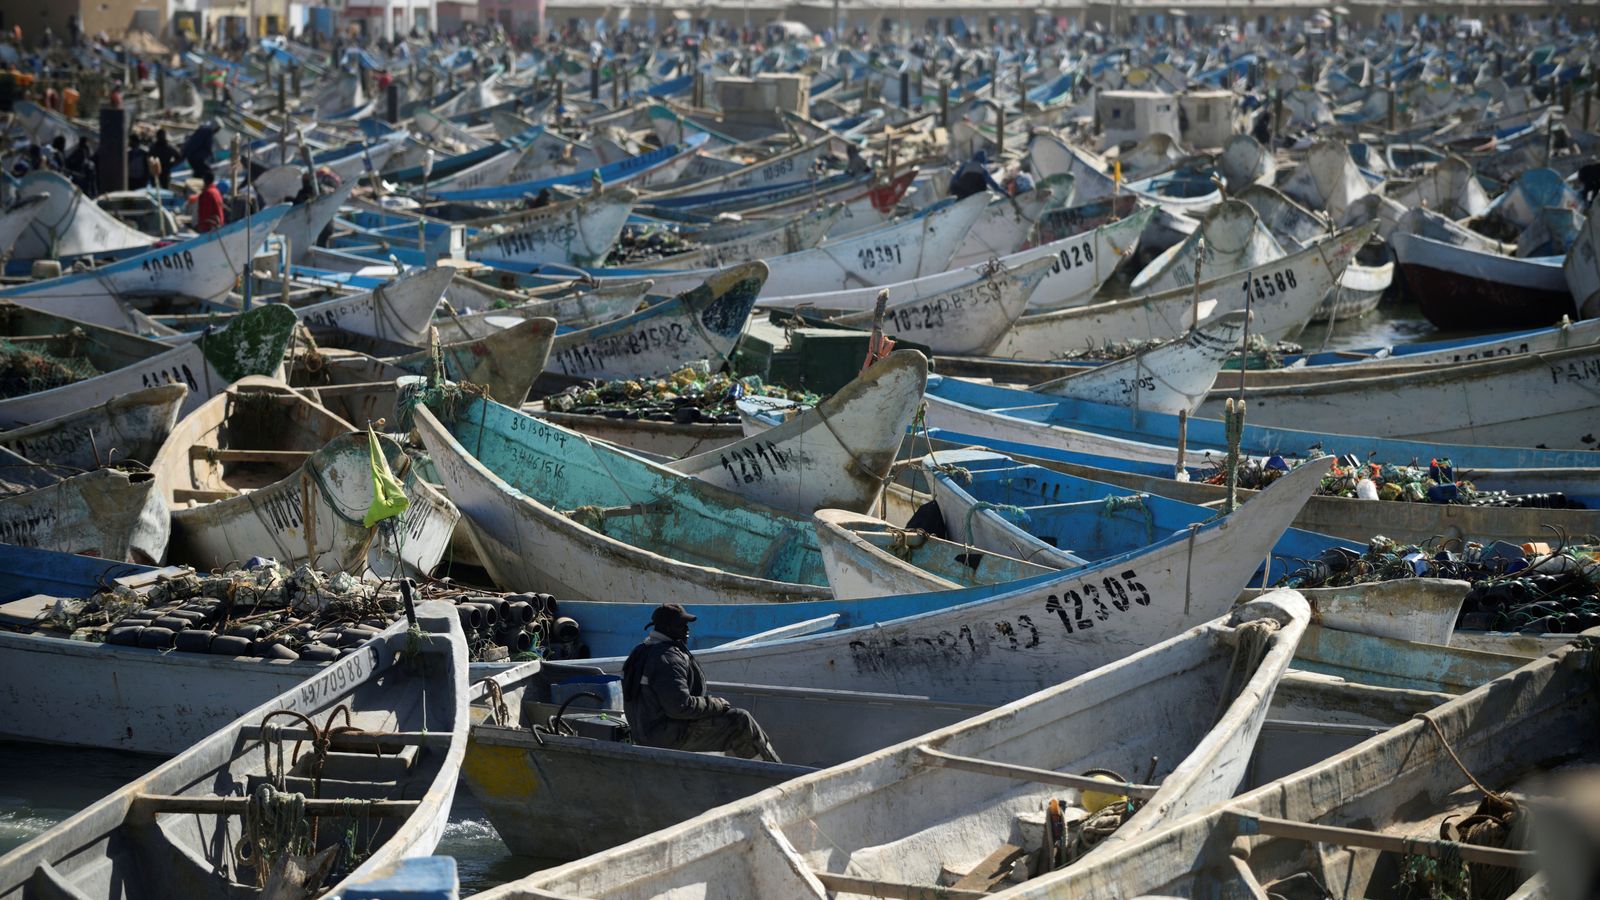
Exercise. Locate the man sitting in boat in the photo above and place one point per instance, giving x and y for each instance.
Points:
(664, 696)
(973, 178)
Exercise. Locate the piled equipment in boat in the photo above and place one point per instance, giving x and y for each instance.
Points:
(691, 394)
(1532, 588)
(267, 611)
(1352, 478)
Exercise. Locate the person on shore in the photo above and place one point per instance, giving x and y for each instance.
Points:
(167, 155)
(664, 696)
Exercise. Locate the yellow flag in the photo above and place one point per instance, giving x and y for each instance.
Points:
(388, 497)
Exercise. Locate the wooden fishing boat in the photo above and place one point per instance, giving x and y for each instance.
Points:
(1544, 400)
(1007, 224)
(1449, 189)
(395, 312)
(575, 233)
(702, 322)
(16, 217)
(69, 225)
(968, 319)
(988, 500)
(966, 792)
(261, 470)
(1328, 180)
(520, 770)
(251, 344)
(1459, 284)
(478, 309)
(552, 510)
(1171, 377)
(835, 454)
(131, 426)
(303, 224)
(921, 245)
(773, 170)
(1582, 267)
(1232, 238)
(1082, 262)
(754, 239)
(1278, 311)
(506, 363)
(1344, 821)
(1244, 162)
(659, 163)
(390, 726)
(1029, 418)
(202, 269)
(107, 512)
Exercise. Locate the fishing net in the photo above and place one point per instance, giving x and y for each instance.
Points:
(25, 371)
(692, 394)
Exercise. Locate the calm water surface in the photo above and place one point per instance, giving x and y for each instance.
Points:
(40, 786)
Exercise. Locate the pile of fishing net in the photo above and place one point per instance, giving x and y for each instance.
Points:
(691, 394)
(1531, 588)
(26, 371)
(1433, 483)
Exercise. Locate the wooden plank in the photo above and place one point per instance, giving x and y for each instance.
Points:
(1372, 840)
(218, 454)
(166, 803)
(358, 741)
(1029, 773)
(994, 869)
(181, 495)
(889, 890)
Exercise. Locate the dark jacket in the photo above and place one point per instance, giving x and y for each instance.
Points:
(663, 690)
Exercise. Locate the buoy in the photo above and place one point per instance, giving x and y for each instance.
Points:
(1094, 801)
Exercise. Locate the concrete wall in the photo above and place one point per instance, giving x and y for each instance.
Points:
(114, 17)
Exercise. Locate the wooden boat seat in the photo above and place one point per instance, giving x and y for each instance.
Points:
(354, 764)
(190, 495)
(219, 454)
(388, 741)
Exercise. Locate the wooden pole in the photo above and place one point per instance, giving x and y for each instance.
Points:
(1372, 840)
(944, 103)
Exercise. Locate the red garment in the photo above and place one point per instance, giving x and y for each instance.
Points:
(208, 213)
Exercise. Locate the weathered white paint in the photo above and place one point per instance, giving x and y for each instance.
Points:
(1231, 239)
(129, 426)
(1081, 263)
(771, 238)
(1450, 189)
(203, 268)
(1533, 400)
(1401, 783)
(1171, 378)
(1281, 295)
(576, 233)
(938, 819)
(894, 253)
(308, 512)
(69, 224)
(835, 454)
(581, 310)
(968, 319)
(97, 846)
(302, 225)
(107, 512)
(703, 322)
(399, 312)
(1327, 180)
(1423, 610)
(1245, 162)
(527, 545)
(1583, 265)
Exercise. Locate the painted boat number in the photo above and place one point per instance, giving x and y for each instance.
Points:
(882, 255)
(166, 262)
(1121, 593)
(173, 375)
(333, 681)
(755, 464)
(1072, 257)
(1124, 591)
(1270, 285)
(530, 240)
(593, 357)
